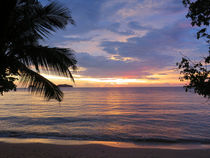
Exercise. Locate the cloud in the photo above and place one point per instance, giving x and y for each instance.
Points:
(100, 66)
(135, 25)
(94, 15)
(158, 47)
(86, 14)
(162, 74)
(115, 27)
(128, 39)
(152, 78)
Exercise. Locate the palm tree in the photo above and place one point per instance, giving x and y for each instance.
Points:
(25, 23)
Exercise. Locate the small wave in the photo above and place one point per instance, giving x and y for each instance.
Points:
(48, 120)
(172, 141)
(54, 135)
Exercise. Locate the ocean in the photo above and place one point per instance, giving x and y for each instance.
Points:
(136, 115)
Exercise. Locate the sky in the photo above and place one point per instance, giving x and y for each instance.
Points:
(127, 43)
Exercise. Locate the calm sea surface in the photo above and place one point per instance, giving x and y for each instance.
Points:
(108, 114)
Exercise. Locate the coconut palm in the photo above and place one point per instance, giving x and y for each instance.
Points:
(25, 23)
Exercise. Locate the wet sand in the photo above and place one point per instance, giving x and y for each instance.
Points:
(39, 150)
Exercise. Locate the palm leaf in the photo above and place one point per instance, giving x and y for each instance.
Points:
(41, 20)
(39, 85)
(28, 22)
(56, 60)
(31, 21)
(36, 83)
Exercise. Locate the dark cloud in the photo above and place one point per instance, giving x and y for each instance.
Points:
(173, 7)
(111, 10)
(100, 66)
(115, 27)
(78, 39)
(156, 47)
(155, 51)
(135, 25)
(162, 74)
(152, 78)
(86, 14)
(93, 15)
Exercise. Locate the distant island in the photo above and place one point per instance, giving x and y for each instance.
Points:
(65, 85)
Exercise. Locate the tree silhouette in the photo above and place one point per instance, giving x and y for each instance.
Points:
(197, 73)
(24, 24)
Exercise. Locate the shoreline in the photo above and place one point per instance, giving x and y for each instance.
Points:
(43, 150)
(170, 146)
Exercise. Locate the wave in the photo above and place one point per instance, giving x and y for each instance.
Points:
(54, 135)
(47, 121)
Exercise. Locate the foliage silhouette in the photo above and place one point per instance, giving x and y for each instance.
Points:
(197, 73)
(24, 24)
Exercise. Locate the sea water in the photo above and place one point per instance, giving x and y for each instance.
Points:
(139, 115)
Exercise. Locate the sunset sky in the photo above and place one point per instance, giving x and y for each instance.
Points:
(127, 42)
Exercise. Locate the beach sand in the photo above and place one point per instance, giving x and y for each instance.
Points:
(39, 150)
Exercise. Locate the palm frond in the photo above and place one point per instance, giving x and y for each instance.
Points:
(27, 22)
(36, 83)
(39, 85)
(57, 60)
(42, 20)
(31, 21)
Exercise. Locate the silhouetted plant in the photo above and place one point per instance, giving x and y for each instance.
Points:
(197, 73)
(24, 24)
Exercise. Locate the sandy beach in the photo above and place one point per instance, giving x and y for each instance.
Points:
(39, 150)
